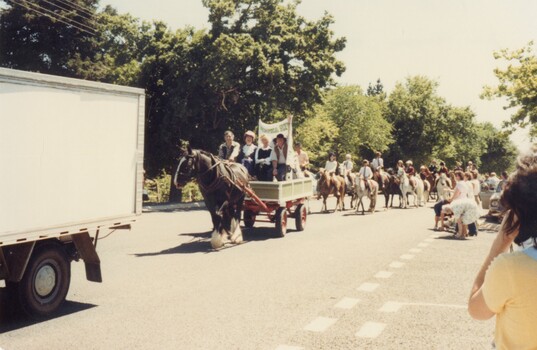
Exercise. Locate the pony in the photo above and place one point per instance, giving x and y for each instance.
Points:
(443, 186)
(221, 184)
(360, 191)
(392, 188)
(429, 181)
(406, 188)
(331, 184)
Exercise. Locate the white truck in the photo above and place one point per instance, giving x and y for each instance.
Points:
(71, 168)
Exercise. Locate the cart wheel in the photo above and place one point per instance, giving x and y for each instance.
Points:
(46, 281)
(281, 221)
(249, 218)
(301, 215)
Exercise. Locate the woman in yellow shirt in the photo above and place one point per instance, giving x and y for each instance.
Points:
(506, 285)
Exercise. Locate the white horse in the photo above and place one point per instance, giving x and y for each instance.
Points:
(443, 186)
(359, 191)
(406, 188)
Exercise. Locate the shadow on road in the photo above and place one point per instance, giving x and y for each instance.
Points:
(201, 241)
(11, 318)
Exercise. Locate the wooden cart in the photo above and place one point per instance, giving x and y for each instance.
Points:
(276, 202)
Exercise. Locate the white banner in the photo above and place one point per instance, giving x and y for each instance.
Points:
(284, 127)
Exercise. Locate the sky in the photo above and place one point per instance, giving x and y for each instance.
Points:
(450, 41)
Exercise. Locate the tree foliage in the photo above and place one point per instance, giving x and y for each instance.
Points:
(518, 83)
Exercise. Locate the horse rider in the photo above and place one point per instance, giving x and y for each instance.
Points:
(366, 174)
(303, 159)
(443, 169)
(347, 170)
(458, 166)
(230, 149)
(279, 158)
(377, 164)
(433, 168)
(331, 167)
(247, 153)
(411, 172)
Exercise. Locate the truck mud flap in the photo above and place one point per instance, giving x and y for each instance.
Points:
(86, 249)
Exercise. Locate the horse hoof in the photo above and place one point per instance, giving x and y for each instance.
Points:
(217, 240)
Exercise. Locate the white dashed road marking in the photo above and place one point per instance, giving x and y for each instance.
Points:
(368, 287)
(347, 303)
(396, 264)
(371, 330)
(407, 257)
(391, 306)
(320, 324)
(384, 274)
(288, 347)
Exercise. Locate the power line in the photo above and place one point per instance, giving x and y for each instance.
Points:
(71, 20)
(82, 15)
(73, 5)
(52, 17)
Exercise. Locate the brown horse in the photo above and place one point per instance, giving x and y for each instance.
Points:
(331, 184)
(429, 182)
(392, 188)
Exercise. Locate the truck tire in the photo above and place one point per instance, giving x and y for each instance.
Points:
(281, 222)
(301, 215)
(45, 283)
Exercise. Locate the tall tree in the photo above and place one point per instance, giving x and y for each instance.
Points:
(48, 37)
(418, 115)
(518, 83)
(499, 153)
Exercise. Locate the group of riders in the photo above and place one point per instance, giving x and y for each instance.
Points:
(268, 162)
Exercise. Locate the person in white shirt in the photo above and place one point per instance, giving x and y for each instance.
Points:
(247, 153)
(331, 165)
(377, 164)
(365, 173)
(303, 159)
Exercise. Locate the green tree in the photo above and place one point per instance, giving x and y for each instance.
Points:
(48, 37)
(499, 153)
(418, 115)
(518, 83)
(317, 135)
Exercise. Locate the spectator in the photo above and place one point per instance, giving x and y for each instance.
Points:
(229, 150)
(263, 158)
(493, 181)
(506, 283)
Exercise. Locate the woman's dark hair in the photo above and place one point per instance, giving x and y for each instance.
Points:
(459, 175)
(519, 199)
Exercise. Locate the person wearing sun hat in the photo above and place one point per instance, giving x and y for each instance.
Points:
(247, 153)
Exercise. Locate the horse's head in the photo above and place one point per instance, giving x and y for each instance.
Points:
(187, 167)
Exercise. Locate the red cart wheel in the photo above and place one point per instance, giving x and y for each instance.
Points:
(301, 215)
(281, 221)
(249, 218)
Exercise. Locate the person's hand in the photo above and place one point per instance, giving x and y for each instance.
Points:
(503, 241)
(274, 172)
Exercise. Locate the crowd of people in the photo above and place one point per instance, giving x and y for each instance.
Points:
(267, 162)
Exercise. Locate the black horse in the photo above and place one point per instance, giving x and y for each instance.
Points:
(221, 184)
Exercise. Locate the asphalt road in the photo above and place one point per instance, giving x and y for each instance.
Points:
(378, 281)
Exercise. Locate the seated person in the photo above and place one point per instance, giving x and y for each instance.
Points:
(229, 150)
(279, 158)
(247, 153)
(263, 159)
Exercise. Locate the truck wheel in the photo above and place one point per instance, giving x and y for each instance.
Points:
(249, 218)
(301, 215)
(281, 222)
(45, 283)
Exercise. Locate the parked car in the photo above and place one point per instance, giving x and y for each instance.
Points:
(495, 209)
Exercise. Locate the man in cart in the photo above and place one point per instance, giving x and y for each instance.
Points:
(279, 158)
